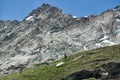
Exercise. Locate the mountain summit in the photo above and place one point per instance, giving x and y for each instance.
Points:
(47, 33)
(46, 11)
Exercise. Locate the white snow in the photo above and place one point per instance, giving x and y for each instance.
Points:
(5, 27)
(109, 42)
(86, 16)
(118, 19)
(29, 18)
(105, 37)
(59, 64)
(85, 48)
(98, 44)
(74, 16)
(106, 73)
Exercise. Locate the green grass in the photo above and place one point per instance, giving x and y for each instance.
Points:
(90, 60)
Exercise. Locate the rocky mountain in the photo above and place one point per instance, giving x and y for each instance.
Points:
(47, 33)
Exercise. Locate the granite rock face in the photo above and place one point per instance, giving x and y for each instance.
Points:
(47, 33)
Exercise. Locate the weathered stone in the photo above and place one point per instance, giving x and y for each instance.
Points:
(60, 64)
(105, 72)
(48, 33)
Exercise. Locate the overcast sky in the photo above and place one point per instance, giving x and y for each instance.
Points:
(18, 9)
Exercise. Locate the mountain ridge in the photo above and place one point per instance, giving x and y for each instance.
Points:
(47, 33)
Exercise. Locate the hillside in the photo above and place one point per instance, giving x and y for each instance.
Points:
(83, 63)
(48, 33)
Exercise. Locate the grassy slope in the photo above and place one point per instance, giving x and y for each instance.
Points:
(89, 60)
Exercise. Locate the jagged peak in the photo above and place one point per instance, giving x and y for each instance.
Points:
(46, 5)
(43, 9)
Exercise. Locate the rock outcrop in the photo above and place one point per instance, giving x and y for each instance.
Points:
(109, 71)
(47, 33)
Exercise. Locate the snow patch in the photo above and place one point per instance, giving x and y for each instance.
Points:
(5, 27)
(105, 74)
(98, 44)
(109, 42)
(118, 20)
(85, 48)
(74, 16)
(29, 18)
(105, 37)
(86, 16)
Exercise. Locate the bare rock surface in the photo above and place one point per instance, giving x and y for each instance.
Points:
(47, 33)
